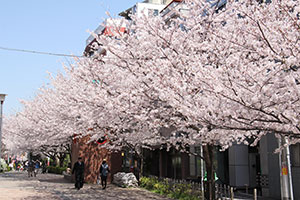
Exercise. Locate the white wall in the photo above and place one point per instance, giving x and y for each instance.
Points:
(159, 1)
(143, 8)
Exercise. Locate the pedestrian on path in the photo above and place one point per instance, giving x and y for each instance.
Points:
(30, 168)
(37, 167)
(78, 169)
(104, 170)
(44, 167)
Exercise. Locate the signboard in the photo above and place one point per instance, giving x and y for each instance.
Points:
(102, 140)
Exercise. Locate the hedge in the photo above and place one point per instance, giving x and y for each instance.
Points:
(56, 170)
(181, 191)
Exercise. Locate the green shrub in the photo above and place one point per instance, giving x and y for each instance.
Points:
(148, 182)
(67, 161)
(56, 170)
(181, 191)
(8, 168)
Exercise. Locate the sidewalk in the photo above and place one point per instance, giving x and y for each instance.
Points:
(17, 186)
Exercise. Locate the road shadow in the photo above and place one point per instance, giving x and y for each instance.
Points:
(56, 180)
(51, 186)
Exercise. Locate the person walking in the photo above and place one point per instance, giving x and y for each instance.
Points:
(37, 167)
(104, 170)
(44, 167)
(30, 168)
(78, 169)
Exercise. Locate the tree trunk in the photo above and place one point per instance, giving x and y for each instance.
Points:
(208, 154)
(61, 158)
(141, 171)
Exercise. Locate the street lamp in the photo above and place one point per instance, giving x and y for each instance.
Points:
(2, 98)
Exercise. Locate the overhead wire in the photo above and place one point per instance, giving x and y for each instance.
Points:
(39, 52)
(68, 55)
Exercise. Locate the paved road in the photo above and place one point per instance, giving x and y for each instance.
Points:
(17, 186)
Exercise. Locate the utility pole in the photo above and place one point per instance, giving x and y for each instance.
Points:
(2, 98)
(286, 185)
(202, 171)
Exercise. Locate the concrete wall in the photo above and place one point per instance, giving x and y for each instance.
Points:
(270, 166)
(238, 165)
(222, 169)
(296, 182)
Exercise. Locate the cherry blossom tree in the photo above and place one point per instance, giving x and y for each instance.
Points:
(234, 71)
(218, 76)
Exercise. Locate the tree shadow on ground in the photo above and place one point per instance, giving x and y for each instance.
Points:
(58, 180)
(92, 192)
(49, 187)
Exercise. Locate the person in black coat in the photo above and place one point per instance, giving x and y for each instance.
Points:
(78, 169)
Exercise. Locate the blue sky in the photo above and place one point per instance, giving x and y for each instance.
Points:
(56, 26)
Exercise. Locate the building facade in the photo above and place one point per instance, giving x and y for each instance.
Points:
(107, 28)
(148, 8)
(93, 154)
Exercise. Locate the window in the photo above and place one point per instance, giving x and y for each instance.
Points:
(198, 161)
(152, 12)
(295, 155)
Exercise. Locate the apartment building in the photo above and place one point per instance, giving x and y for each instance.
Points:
(106, 28)
(148, 7)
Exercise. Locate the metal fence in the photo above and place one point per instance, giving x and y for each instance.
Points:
(222, 191)
(188, 186)
(196, 188)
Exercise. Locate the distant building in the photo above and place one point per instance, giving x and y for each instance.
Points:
(148, 7)
(169, 11)
(107, 28)
(176, 7)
